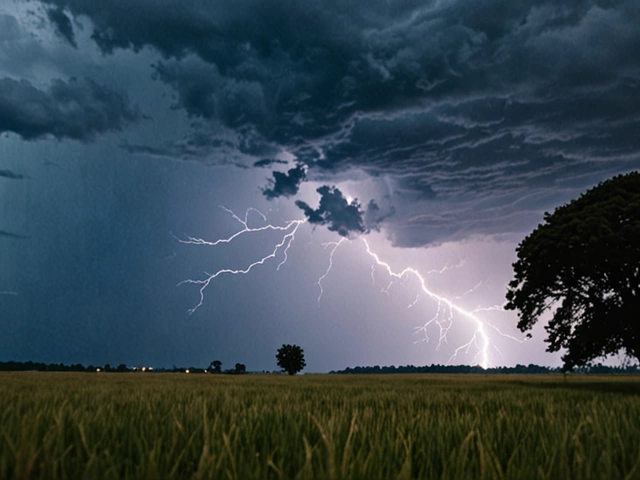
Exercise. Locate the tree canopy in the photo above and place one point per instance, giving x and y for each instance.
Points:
(291, 358)
(216, 366)
(582, 264)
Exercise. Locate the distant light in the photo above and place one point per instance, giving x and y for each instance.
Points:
(97, 369)
(144, 369)
(206, 371)
(150, 369)
(186, 371)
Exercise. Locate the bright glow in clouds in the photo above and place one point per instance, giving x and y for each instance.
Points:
(449, 311)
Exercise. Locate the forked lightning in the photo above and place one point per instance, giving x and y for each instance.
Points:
(479, 339)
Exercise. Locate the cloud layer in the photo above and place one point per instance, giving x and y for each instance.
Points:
(465, 108)
(75, 109)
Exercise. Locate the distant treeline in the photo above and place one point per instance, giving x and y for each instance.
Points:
(122, 368)
(42, 367)
(521, 369)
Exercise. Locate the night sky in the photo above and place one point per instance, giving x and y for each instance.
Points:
(438, 132)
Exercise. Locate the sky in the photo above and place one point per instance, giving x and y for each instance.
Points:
(331, 144)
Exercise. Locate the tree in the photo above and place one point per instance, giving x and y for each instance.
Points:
(216, 366)
(291, 358)
(582, 264)
(240, 368)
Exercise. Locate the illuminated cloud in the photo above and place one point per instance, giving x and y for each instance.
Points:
(375, 215)
(335, 212)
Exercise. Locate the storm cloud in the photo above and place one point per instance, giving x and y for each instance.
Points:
(267, 162)
(336, 212)
(11, 175)
(460, 106)
(78, 110)
(63, 25)
(286, 184)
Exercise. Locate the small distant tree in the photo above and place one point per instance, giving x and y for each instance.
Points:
(291, 358)
(240, 368)
(216, 366)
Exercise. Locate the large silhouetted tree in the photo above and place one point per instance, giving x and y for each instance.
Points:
(291, 358)
(582, 264)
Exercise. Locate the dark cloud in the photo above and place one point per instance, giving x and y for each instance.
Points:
(375, 215)
(199, 145)
(210, 146)
(267, 162)
(286, 184)
(79, 110)
(458, 105)
(204, 92)
(11, 175)
(4, 233)
(63, 25)
(335, 212)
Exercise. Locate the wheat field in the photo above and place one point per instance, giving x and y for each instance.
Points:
(179, 426)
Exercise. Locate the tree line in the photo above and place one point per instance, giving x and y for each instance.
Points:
(290, 358)
(12, 366)
(519, 369)
(216, 368)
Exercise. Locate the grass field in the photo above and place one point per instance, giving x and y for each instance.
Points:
(154, 426)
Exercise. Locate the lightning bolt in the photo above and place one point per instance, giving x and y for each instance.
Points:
(446, 308)
(447, 267)
(479, 339)
(471, 290)
(289, 231)
(334, 246)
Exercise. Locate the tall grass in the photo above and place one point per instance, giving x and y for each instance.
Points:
(155, 426)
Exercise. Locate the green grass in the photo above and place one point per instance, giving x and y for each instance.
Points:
(154, 426)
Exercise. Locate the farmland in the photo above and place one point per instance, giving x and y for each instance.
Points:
(178, 426)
